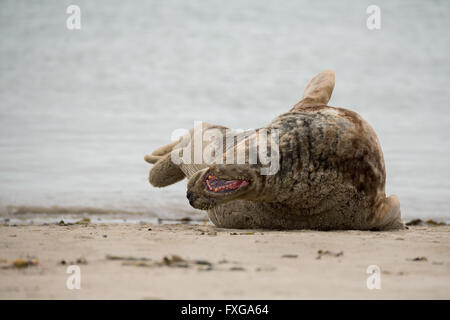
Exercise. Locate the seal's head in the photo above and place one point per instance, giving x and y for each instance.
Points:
(218, 184)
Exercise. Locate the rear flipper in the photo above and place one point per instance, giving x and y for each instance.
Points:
(387, 216)
(165, 172)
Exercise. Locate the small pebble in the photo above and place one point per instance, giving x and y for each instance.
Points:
(418, 259)
(237, 269)
(203, 262)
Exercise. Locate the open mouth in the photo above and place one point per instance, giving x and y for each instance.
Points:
(223, 186)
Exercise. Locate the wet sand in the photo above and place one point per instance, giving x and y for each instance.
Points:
(212, 263)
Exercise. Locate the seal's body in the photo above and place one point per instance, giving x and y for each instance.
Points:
(331, 174)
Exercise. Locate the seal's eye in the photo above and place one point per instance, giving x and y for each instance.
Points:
(223, 186)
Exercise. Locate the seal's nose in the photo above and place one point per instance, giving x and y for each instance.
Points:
(191, 197)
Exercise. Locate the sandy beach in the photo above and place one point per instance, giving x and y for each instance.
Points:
(132, 261)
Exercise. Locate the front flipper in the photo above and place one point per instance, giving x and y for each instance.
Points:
(318, 91)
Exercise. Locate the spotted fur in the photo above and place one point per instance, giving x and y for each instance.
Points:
(331, 174)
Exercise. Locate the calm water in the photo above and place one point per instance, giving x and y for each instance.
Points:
(79, 109)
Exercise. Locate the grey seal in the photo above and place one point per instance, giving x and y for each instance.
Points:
(331, 173)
